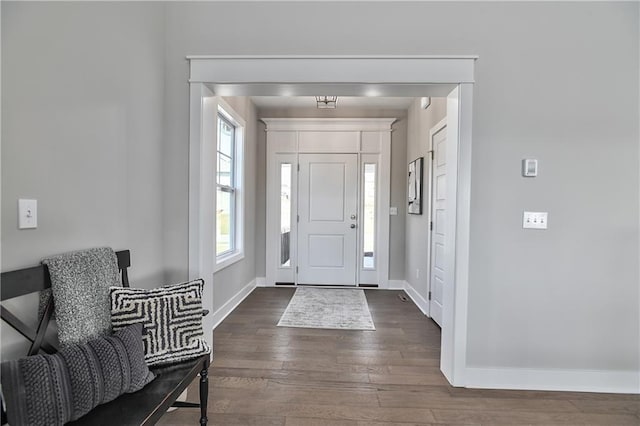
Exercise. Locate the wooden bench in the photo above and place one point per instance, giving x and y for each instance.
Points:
(144, 407)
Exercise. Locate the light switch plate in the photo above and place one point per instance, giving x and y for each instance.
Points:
(535, 220)
(393, 211)
(27, 214)
(529, 167)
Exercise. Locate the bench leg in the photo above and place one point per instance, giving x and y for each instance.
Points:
(185, 404)
(204, 394)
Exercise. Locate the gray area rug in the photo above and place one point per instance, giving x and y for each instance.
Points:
(341, 309)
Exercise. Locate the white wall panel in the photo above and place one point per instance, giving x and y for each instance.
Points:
(329, 141)
(371, 141)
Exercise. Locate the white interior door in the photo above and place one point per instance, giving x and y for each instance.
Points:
(327, 228)
(438, 214)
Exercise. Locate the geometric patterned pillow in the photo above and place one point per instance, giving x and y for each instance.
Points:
(171, 317)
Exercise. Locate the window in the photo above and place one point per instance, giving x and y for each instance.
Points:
(229, 208)
(285, 214)
(369, 217)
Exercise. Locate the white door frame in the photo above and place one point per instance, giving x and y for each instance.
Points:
(435, 129)
(368, 138)
(382, 74)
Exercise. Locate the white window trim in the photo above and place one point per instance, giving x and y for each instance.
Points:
(228, 259)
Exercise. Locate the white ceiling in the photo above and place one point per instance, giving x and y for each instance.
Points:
(343, 102)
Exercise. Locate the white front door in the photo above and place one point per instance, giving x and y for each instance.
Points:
(327, 228)
(438, 213)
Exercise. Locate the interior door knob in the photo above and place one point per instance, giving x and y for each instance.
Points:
(353, 216)
(353, 225)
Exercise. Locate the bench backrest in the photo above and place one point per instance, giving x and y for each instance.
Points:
(35, 279)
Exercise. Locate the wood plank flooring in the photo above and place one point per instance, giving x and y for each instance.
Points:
(267, 375)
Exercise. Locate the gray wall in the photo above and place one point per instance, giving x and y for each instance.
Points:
(420, 121)
(398, 178)
(568, 95)
(82, 113)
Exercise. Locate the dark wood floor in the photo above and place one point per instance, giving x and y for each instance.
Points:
(267, 375)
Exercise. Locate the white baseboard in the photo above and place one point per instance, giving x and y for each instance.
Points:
(395, 285)
(221, 313)
(261, 281)
(553, 380)
(421, 302)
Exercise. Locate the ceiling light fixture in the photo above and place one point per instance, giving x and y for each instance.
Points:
(326, 102)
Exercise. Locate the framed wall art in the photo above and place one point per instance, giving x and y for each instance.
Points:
(415, 187)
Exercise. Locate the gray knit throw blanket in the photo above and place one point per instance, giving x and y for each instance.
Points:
(80, 284)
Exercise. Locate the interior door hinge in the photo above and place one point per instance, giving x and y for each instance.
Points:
(431, 153)
(298, 167)
(298, 218)
(430, 226)
(296, 269)
(429, 295)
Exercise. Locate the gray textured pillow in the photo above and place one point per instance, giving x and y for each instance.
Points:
(80, 283)
(172, 318)
(55, 389)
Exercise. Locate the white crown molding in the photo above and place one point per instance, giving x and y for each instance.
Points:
(330, 69)
(329, 124)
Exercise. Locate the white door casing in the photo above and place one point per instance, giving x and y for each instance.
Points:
(369, 139)
(202, 200)
(327, 208)
(437, 277)
(237, 75)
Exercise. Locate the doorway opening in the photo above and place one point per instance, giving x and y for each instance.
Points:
(453, 77)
